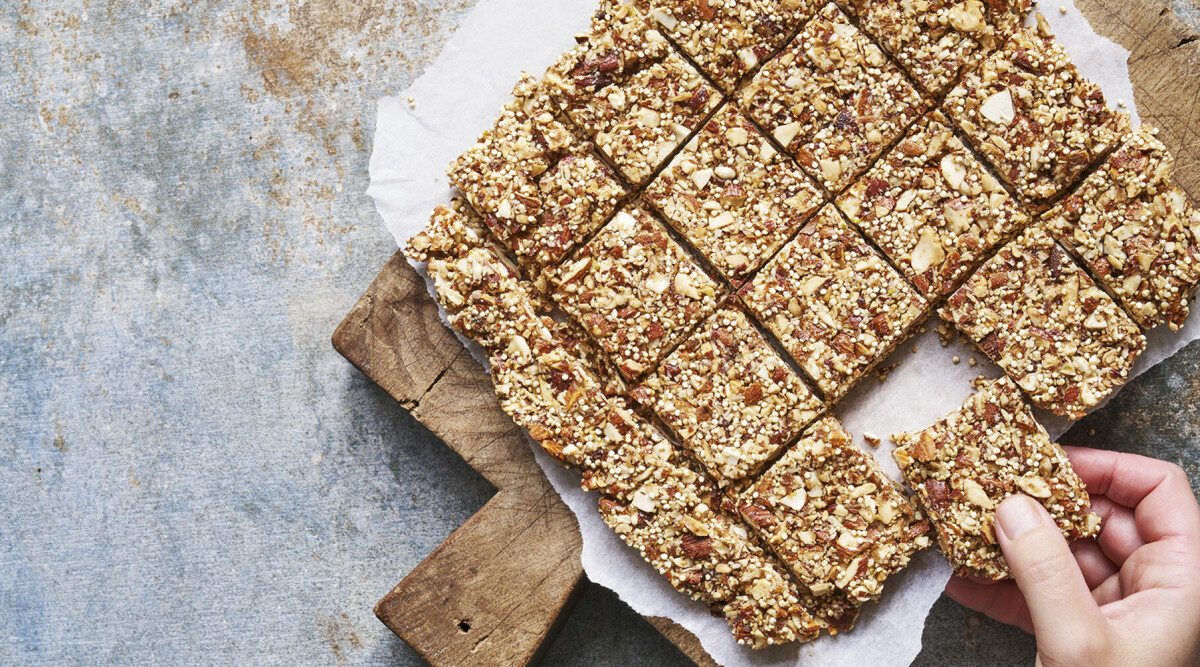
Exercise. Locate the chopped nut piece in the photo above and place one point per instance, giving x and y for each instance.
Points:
(758, 199)
(628, 90)
(1136, 231)
(832, 99)
(729, 397)
(634, 290)
(833, 302)
(963, 466)
(728, 39)
(932, 208)
(1029, 308)
(855, 529)
(1032, 115)
(939, 39)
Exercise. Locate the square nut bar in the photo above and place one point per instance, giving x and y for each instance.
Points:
(451, 233)
(933, 208)
(1039, 316)
(732, 195)
(1136, 231)
(1033, 116)
(963, 466)
(729, 397)
(936, 40)
(834, 303)
(728, 38)
(676, 522)
(635, 290)
(630, 91)
(833, 99)
(832, 515)
(499, 174)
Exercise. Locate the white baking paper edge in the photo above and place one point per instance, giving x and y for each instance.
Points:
(424, 128)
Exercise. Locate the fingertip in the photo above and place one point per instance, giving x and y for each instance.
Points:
(1019, 514)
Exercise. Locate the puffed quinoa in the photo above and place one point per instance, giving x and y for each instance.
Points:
(1033, 116)
(732, 195)
(936, 40)
(834, 303)
(833, 99)
(729, 397)
(1039, 316)
(962, 467)
(634, 290)
(1136, 231)
(933, 208)
(728, 38)
(831, 514)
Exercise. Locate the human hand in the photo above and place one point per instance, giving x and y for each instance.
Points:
(1131, 596)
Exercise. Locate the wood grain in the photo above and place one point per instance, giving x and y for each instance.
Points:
(497, 589)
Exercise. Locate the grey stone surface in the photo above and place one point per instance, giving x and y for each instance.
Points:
(188, 472)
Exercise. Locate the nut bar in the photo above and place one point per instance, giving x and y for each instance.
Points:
(833, 99)
(1029, 111)
(832, 515)
(635, 290)
(732, 195)
(1136, 231)
(728, 39)
(729, 397)
(579, 194)
(963, 466)
(939, 39)
(626, 88)
(1039, 316)
(834, 303)
(932, 208)
(499, 175)
(451, 233)
(674, 520)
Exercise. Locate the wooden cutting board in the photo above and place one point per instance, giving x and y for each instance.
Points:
(497, 589)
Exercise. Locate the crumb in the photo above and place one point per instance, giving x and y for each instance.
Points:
(1121, 103)
(972, 361)
(885, 371)
(1091, 431)
(923, 329)
(412, 102)
(872, 440)
(1062, 9)
(956, 359)
(914, 349)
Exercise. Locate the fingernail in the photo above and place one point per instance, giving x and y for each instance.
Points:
(1017, 516)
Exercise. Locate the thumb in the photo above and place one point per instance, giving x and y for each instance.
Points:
(1067, 623)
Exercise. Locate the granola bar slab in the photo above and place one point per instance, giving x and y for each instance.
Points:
(1039, 316)
(962, 467)
(733, 195)
(627, 89)
(833, 99)
(729, 397)
(937, 40)
(932, 207)
(1136, 231)
(832, 515)
(1033, 116)
(834, 303)
(729, 38)
(635, 290)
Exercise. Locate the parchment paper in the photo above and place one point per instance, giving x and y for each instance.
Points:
(421, 130)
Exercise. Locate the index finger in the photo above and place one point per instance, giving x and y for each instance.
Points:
(1159, 492)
